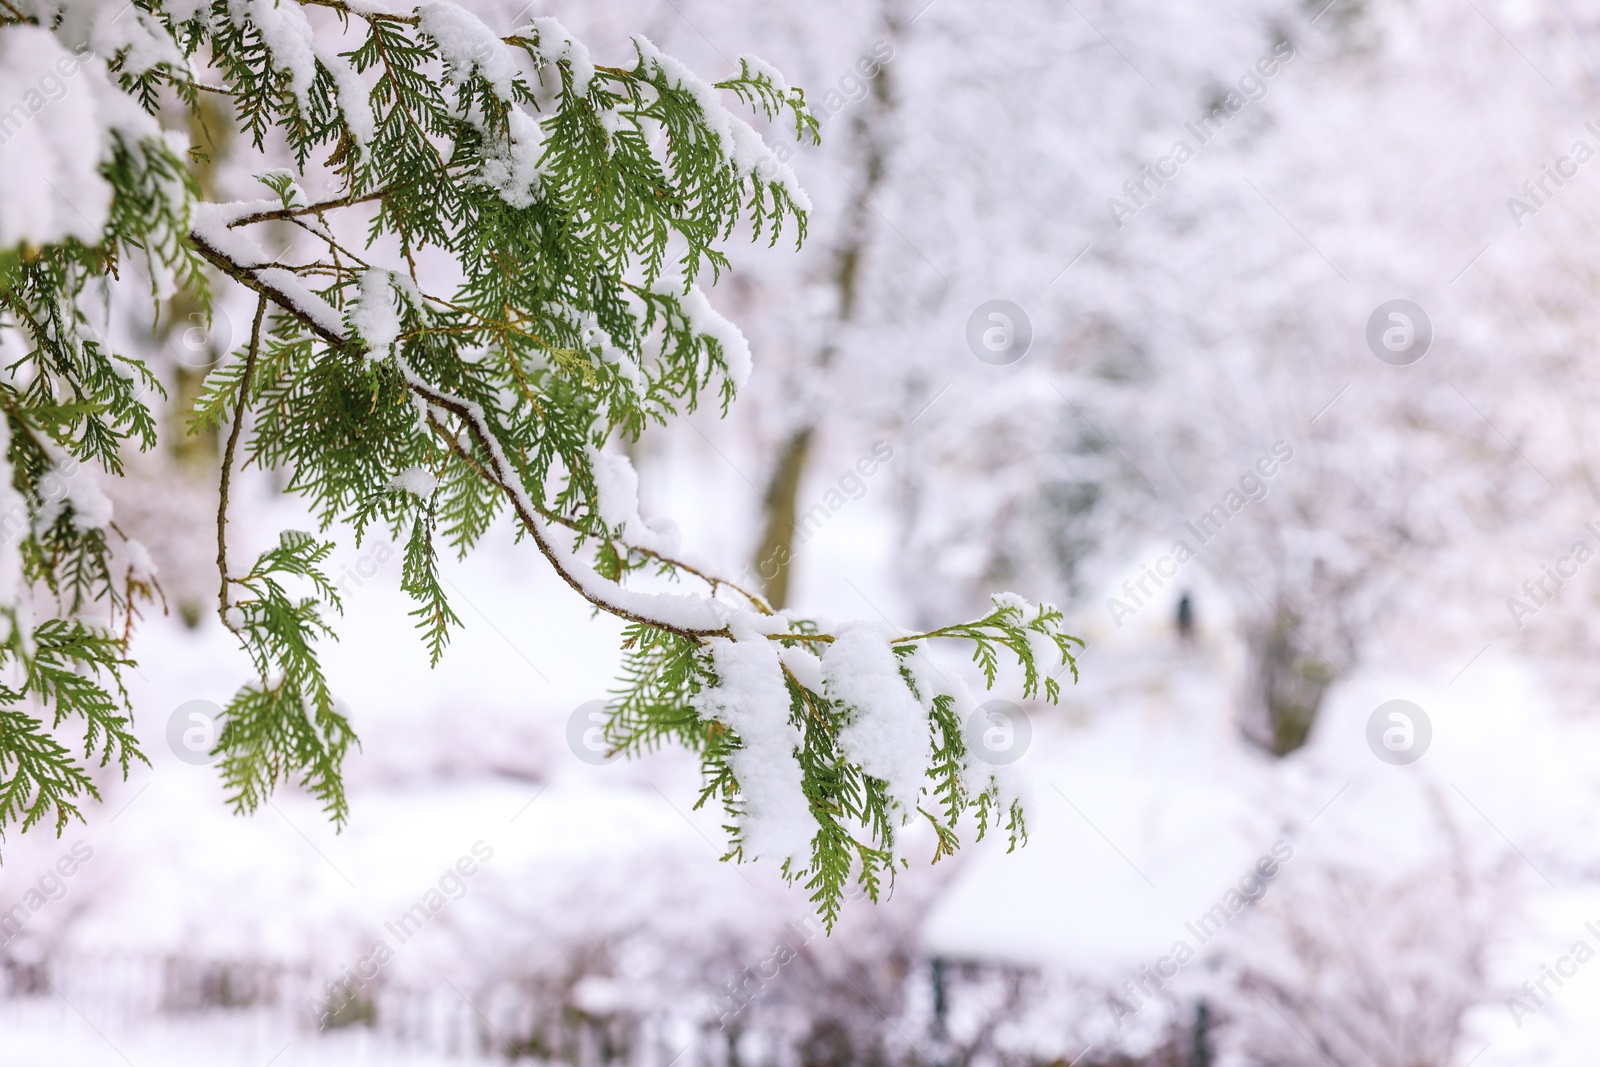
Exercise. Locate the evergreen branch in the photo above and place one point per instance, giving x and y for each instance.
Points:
(37, 774)
(493, 457)
(558, 198)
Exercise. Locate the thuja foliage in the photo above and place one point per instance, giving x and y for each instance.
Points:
(577, 206)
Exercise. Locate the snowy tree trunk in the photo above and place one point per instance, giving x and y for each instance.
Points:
(1290, 682)
(781, 504)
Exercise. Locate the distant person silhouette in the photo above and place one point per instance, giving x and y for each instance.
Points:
(1185, 618)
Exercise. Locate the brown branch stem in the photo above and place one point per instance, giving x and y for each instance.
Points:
(287, 213)
(227, 459)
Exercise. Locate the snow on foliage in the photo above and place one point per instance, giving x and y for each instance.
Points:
(887, 732)
(740, 144)
(705, 321)
(512, 308)
(556, 45)
(416, 481)
(751, 699)
(375, 312)
(617, 499)
(468, 47)
(511, 167)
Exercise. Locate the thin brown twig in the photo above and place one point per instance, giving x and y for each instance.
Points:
(711, 580)
(370, 16)
(326, 236)
(530, 521)
(227, 459)
(286, 213)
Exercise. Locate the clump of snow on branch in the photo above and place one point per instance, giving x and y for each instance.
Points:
(617, 498)
(140, 566)
(511, 166)
(706, 321)
(70, 482)
(88, 27)
(466, 45)
(375, 314)
(556, 44)
(91, 508)
(752, 699)
(416, 481)
(888, 733)
(210, 227)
